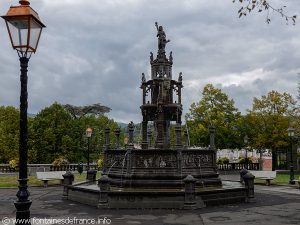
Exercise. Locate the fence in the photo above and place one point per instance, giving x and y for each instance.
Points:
(238, 166)
(33, 168)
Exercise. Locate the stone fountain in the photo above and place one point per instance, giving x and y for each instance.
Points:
(158, 175)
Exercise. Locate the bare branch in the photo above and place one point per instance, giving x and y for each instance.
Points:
(264, 5)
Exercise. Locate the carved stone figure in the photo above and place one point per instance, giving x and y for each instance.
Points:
(162, 41)
(151, 56)
(143, 78)
(180, 77)
(171, 57)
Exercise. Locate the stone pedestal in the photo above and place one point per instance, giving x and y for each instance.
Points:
(249, 184)
(91, 175)
(243, 172)
(190, 201)
(104, 186)
(68, 180)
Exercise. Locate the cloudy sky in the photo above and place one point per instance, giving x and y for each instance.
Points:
(96, 50)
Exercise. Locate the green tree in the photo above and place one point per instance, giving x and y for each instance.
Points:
(215, 108)
(269, 119)
(90, 116)
(51, 134)
(78, 112)
(97, 141)
(9, 133)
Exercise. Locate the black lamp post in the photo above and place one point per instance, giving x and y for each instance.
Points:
(291, 134)
(88, 134)
(24, 29)
(246, 139)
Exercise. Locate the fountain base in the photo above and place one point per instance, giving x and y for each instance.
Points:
(151, 198)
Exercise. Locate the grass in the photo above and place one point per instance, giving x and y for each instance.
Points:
(281, 179)
(12, 181)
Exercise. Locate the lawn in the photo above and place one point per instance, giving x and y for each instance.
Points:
(280, 179)
(12, 181)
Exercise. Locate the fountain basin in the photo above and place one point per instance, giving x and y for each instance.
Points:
(157, 198)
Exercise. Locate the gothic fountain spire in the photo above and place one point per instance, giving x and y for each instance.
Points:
(160, 104)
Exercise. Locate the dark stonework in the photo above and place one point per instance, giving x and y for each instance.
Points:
(160, 106)
(161, 166)
(91, 175)
(157, 176)
(68, 180)
(249, 184)
(117, 134)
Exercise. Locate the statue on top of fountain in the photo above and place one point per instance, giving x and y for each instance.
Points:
(162, 40)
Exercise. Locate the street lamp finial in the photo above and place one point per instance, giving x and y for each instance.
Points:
(24, 2)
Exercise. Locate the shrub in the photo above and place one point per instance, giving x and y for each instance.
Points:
(223, 160)
(244, 160)
(60, 161)
(13, 163)
(99, 162)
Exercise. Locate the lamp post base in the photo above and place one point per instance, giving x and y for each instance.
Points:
(292, 182)
(23, 212)
(292, 175)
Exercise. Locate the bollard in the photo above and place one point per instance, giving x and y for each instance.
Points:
(104, 186)
(242, 173)
(91, 175)
(190, 194)
(68, 180)
(249, 184)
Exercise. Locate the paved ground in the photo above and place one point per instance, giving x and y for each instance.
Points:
(273, 205)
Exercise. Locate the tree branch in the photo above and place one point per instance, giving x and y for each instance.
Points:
(264, 5)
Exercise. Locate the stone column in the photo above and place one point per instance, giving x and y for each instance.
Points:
(212, 132)
(186, 138)
(212, 146)
(68, 180)
(149, 135)
(179, 161)
(104, 186)
(178, 135)
(144, 134)
(179, 94)
(107, 138)
(117, 134)
(160, 133)
(130, 131)
(128, 161)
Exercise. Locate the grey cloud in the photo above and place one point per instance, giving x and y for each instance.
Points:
(95, 51)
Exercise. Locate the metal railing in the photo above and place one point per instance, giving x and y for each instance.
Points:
(32, 168)
(5, 168)
(238, 166)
